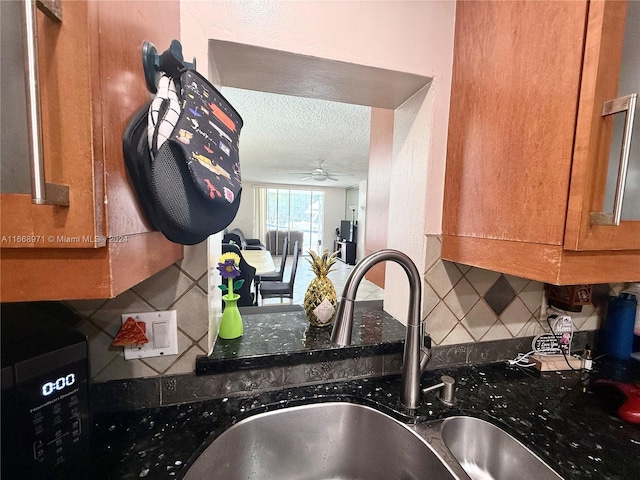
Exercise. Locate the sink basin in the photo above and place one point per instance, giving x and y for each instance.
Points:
(319, 441)
(486, 452)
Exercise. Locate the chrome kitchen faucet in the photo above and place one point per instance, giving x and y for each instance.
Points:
(416, 355)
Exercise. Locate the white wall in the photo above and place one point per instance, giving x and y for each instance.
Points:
(334, 201)
(244, 217)
(352, 199)
(407, 36)
(409, 197)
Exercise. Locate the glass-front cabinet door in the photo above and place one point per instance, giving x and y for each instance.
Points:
(51, 193)
(604, 198)
(623, 176)
(14, 147)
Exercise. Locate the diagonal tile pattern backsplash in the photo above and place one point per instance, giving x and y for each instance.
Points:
(500, 295)
(181, 287)
(466, 304)
(461, 305)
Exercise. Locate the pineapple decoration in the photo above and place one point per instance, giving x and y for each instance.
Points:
(320, 301)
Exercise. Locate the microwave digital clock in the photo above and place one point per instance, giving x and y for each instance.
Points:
(58, 385)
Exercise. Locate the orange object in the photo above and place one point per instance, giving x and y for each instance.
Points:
(223, 117)
(130, 333)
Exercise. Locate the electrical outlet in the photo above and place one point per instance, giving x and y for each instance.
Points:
(161, 328)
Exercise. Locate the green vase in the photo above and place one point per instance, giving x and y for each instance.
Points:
(231, 321)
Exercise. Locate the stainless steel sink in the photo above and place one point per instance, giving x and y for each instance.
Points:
(340, 440)
(333, 440)
(487, 452)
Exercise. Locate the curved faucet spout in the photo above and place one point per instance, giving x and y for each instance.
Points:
(415, 357)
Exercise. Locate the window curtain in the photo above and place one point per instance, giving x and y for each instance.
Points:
(260, 213)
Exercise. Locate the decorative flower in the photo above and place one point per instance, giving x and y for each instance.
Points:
(228, 269)
(230, 256)
(228, 264)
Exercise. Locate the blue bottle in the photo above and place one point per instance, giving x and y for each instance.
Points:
(634, 289)
(617, 331)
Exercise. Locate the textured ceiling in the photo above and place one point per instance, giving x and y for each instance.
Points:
(283, 137)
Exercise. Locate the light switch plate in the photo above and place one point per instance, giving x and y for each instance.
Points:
(170, 317)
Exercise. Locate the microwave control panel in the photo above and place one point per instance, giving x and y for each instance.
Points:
(52, 412)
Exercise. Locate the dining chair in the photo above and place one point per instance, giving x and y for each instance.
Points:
(282, 289)
(247, 273)
(279, 275)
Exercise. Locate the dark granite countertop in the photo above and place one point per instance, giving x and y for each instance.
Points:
(561, 416)
(275, 337)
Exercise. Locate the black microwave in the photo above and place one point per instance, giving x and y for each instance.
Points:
(45, 395)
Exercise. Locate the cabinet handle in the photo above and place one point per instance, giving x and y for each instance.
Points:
(623, 104)
(42, 193)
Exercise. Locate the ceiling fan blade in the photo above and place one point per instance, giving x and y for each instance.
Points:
(319, 174)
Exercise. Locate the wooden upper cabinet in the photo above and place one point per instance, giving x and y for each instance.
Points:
(91, 82)
(72, 155)
(528, 147)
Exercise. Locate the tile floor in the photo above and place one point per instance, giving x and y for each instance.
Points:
(338, 275)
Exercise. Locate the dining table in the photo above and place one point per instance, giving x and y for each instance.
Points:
(262, 261)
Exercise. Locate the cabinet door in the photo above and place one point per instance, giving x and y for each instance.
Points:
(72, 149)
(611, 69)
(91, 83)
(514, 96)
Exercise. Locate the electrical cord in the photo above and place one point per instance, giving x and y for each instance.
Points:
(522, 359)
(564, 354)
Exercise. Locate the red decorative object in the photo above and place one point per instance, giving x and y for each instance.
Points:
(131, 333)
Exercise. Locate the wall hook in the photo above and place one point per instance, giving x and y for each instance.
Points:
(151, 62)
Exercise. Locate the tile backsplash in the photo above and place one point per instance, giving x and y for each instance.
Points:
(466, 304)
(181, 287)
(462, 305)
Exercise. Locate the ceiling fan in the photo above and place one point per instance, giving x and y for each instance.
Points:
(318, 174)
